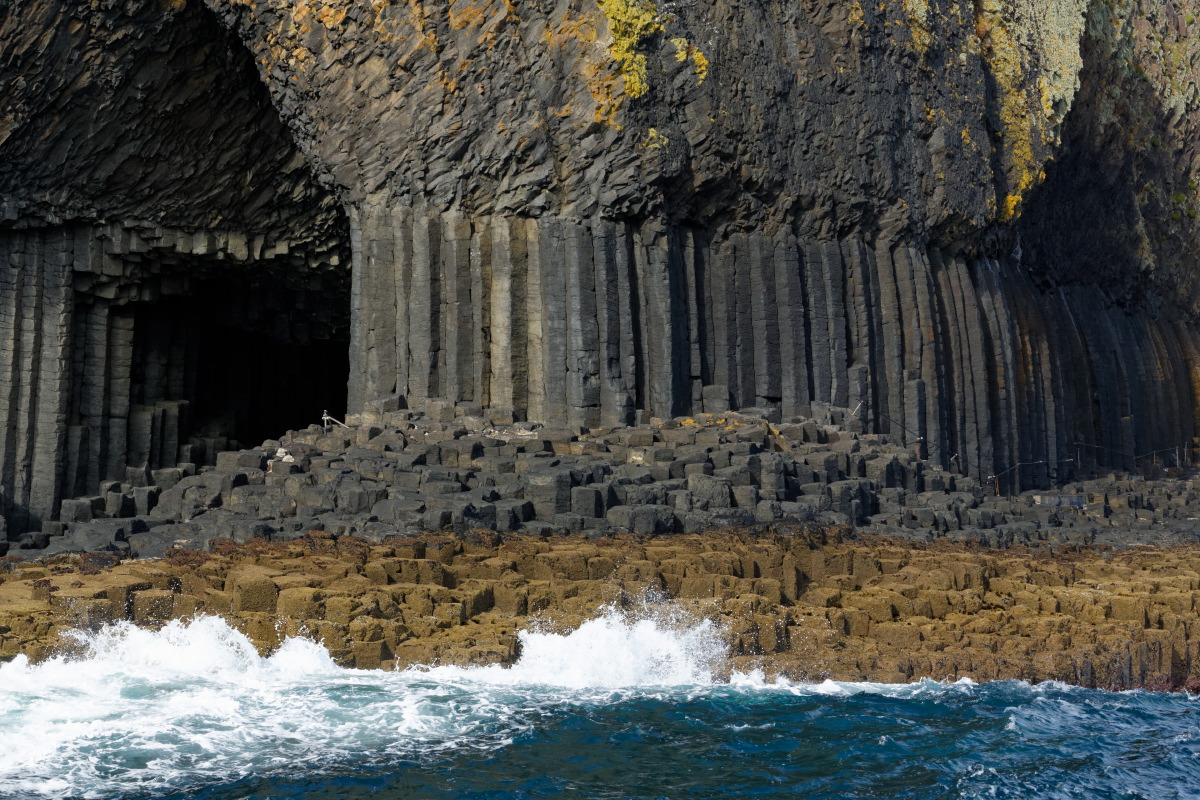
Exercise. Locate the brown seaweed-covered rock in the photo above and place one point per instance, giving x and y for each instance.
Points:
(809, 604)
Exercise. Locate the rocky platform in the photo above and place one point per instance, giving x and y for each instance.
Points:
(801, 601)
(445, 466)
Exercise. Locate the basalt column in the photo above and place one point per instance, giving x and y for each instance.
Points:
(138, 348)
(35, 325)
(173, 276)
(589, 322)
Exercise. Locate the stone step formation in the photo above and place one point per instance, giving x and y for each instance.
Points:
(585, 323)
(801, 601)
(446, 466)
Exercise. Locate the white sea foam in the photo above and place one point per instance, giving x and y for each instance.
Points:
(653, 648)
(154, 711)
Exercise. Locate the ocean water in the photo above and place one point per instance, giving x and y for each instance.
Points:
(624, 707)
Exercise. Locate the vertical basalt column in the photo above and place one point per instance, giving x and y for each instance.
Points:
(11, 275)
(28, 347)
(890, 377)
(120, 363)
(480, 364)
(979, 420)
(1057, 356)
(820, 347)
(763, 302)
(361, 388)
(583, 332)
(946, 343)
(36, 304)
(456, 312)
(378, 353)
(744, 340)
(93, 403)
(424, 309)
(723, 301)
(53, 393)
(794, 373)
(833, 273)
(861, 306)
(534, 310)
(915, 387)
(932, 366)
(401, 272)
(614, 315)
(553, 312)
(694, 313)
(506, 315)
(659, 269)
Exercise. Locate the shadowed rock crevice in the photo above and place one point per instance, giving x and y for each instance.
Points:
(1120, 203)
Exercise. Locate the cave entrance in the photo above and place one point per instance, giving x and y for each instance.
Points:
(243, 357)
(211, 306)
(179, 267)
(201, 354)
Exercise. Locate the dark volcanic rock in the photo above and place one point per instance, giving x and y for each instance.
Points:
(973, 226)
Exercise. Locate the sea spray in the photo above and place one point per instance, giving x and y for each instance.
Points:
(139, 711)
(628, 705)
(643, 644)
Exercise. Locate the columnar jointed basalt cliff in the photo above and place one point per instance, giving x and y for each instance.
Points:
(973, 224)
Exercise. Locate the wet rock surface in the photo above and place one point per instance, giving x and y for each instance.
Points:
(802, 601)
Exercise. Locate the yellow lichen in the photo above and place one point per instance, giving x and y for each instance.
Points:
(465, 14)
(857, 16)
(1003, 58)
(331, 17)
(571, 29)
(700, 63)
(1031, 50)
(629, 22)
(601, 82)
(918, 24)
(685, 50)
(654, 140)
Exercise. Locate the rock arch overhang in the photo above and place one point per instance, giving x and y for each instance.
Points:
(582, 212)
(173, 278)
(579, 212)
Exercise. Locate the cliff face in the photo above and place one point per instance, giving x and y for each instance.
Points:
(973, 223)
(954, 215)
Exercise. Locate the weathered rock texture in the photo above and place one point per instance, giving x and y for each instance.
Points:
(407, 473)
(805, 603)
(168, 265)
(978, 221)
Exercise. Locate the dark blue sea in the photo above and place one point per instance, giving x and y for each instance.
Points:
(621, 708)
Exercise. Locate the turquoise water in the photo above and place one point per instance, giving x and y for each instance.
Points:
(622, 708)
